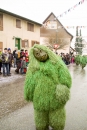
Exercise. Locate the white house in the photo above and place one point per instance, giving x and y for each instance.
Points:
(53, 32)
(18, 31)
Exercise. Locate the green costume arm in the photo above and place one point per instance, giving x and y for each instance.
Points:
(63, 88)
(29, 86)
(64, 76)
(62, 94)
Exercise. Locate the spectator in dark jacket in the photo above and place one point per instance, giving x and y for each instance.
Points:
(10, 60)
(5, 61)
(14, 56)
(18, 61)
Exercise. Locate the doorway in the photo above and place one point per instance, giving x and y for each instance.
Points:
(17, 43)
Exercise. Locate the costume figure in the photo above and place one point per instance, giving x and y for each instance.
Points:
(83, 61)
(47, 85)
(77, 59)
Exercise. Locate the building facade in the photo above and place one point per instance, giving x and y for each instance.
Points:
(17, 31)
(53, 32)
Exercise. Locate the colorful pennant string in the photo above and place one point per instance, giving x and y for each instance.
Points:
(72, 8)
(68, 27)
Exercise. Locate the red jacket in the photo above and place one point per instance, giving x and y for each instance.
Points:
(26, 57)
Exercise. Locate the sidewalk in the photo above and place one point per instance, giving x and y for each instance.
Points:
(13, 76)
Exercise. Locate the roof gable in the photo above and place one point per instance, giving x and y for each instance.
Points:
(51, 16)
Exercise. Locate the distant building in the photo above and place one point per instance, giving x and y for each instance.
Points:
(53, 32)
(17, 31)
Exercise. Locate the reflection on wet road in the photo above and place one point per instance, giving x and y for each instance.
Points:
(77, 106)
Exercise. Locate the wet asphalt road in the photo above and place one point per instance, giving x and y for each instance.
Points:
(17, 114)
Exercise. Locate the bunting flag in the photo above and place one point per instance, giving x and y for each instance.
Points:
(67, 27)
(53, 25)
(72, 8)
(70, 27)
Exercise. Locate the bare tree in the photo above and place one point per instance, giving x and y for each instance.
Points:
(61, 42)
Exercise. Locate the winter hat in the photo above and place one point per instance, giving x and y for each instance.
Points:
(5, 48)
(9, 49)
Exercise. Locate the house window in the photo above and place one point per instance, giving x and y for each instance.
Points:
(18, 23)
(25, 43)
(1, 22)
(34, 42)
(30, 27)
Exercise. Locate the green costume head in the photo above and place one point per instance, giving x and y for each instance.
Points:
(40, 54)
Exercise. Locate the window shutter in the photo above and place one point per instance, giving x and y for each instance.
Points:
(33, 42)
(23, 43)
(1, 22)
(18, 23)
(30, 27)
(37, 42)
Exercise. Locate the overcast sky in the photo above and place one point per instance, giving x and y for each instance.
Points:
(38, 10)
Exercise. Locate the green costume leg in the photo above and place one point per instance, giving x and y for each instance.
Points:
(41, 120)
(57, 119)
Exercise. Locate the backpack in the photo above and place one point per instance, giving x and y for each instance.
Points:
(5, 58)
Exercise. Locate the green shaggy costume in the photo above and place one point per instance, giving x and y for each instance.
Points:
(77, 59)
(47, 84)
(83, 61)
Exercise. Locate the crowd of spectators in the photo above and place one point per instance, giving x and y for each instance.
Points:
(19, 59)
(67, 58)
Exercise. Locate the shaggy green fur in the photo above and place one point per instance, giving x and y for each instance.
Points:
(83, 61)
(55, 118)
(47, 84)
(77, 59)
